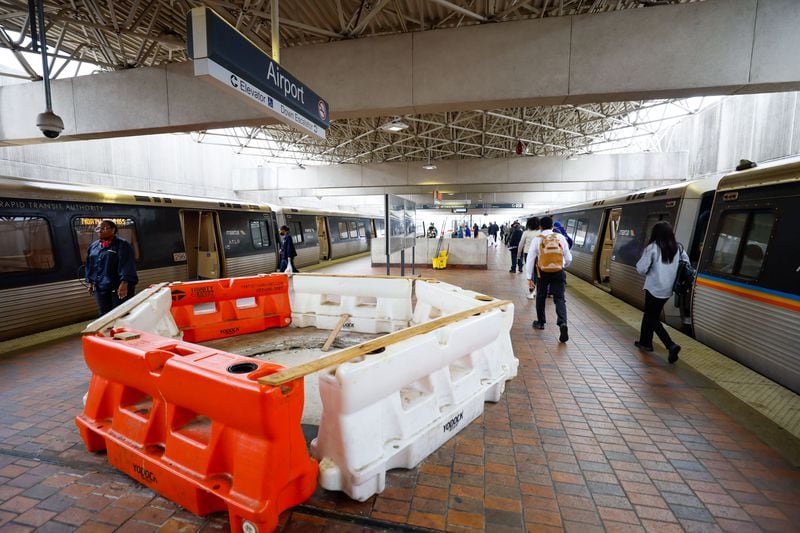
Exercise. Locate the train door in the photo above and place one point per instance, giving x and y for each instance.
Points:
(607, 237)
(322, 234)
(201, 241)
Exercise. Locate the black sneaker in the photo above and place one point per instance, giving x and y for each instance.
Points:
(642, 347)
(537, 325)
(564, 333)
(673, 353)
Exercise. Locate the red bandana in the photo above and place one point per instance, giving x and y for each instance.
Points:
(105, 242)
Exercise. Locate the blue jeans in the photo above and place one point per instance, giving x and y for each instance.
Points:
(285, 264)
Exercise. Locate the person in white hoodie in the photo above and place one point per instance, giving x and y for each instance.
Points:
(659, 265)
(531, 231)
(552, 277)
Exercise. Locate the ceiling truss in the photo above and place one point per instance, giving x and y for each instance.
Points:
(108, 35)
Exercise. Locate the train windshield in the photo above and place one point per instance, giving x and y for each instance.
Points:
(742, 243)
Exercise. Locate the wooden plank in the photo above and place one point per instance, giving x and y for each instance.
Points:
(364, 276)
(335, 332)
(364, 348)
(122, 310)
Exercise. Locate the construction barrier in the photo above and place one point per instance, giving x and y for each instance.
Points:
(212, 309)
(194, 425)
(435, 299)
(393, 408)
(148, 310)
(375, 304)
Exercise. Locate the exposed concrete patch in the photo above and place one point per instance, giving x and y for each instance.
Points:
(291, 347)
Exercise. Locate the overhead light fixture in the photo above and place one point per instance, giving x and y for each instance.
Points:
(430, 166)
(394, 127)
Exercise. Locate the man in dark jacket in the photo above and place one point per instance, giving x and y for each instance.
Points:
(494, 229)
(288, 252)
(110, 268)
(515, 234)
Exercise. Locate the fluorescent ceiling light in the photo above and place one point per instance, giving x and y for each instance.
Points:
(395, 126)
(429, 166)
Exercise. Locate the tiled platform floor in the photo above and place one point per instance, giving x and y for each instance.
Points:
(592, 435)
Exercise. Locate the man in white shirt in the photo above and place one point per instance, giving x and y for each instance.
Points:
(552, 281)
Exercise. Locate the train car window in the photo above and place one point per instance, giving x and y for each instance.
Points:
(343, 234)
(730, 237)
(635, 225)
(85, 233)
(572, 223)
(379, 230)
(25, 245)
(353, 229)
(296, 230)
(259, 233)
(650, 222)
(581, 228)
(362, 230)
(745, 234)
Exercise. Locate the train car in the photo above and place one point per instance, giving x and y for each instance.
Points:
(348, 234)
(746, 301)
(609, 235)
(321, 235)
(46, 229)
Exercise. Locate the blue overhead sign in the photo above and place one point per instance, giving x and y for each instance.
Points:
(222, 53)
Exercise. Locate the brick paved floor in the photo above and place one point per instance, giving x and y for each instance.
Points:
(592, 435)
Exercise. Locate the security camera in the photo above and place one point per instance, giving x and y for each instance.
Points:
(50, 124)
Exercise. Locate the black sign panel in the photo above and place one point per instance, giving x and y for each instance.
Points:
(222, 43)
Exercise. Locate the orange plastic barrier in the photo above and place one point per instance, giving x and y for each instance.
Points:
(206, 310)
(193, 424)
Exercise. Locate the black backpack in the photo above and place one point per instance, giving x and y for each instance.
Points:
(685, 276)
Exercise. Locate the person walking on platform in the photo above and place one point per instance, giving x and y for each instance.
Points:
(476, 231)
(551, 252)
(493, 230)
(659, 265)
(531, 231)
(515, 235)
(110, 268)
(288, 253)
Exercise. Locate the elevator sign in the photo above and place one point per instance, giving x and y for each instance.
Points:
(224, 56)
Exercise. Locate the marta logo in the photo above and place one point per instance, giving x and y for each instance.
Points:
(322, 109)
(178, 295)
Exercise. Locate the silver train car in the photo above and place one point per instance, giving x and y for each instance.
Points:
(746, 300)
(739, 231)
(320, 235)
(609, 236)
(46, 229)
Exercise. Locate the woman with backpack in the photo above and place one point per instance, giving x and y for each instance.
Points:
(659, 265)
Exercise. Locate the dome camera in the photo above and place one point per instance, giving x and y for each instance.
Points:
(50, 124)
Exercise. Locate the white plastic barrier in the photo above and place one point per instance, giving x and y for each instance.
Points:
(148, 311)
(375, 305)
(435, 299)
(392, 409)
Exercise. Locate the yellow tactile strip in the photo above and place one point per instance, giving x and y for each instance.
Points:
(777, 403)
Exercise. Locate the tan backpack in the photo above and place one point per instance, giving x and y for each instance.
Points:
(551, 253)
